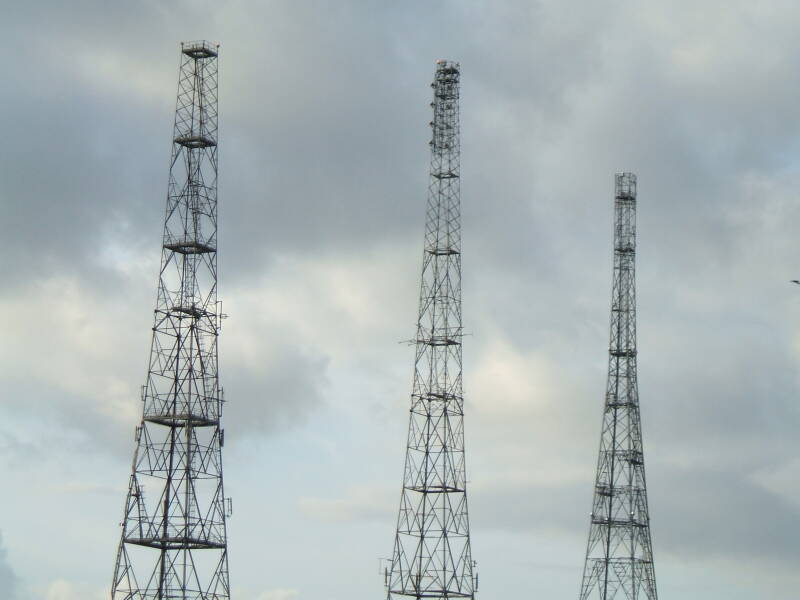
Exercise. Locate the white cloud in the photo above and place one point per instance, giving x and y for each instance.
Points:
(278, 594)
(62, 589)
(363, 502)
(781, 479)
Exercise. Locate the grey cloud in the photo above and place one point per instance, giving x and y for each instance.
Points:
(18, 450)
(279, 395)
(323, 154)
(538, 509)
(705, 513)
(63, 419)
(695, 512)
(9, 582)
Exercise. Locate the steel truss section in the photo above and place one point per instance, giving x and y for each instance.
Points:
(174, 540)
(619, 555)
(432, 555)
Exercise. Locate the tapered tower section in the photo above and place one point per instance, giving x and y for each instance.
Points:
(432, 556)
(619, 557)
(174, 542)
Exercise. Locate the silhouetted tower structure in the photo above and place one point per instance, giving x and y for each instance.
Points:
(619, 556)
(174, 541)
(432, 556)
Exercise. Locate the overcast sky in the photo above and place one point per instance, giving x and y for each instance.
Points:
(324, 111)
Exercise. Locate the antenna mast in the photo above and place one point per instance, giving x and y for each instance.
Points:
(432, 556)
(619, 555)
(174, 540)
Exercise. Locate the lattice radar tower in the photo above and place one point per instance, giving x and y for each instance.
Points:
(432, 556)
(174, 540)
(619, 555)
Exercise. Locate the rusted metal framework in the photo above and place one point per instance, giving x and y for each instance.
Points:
(619, 556)
(432, 556)
(174, 540)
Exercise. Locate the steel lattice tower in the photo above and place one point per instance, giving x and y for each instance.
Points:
(432, 556)
(619, 556)
(174, 541)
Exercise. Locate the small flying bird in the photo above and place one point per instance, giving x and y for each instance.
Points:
(795, 281)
